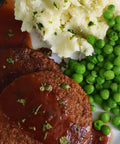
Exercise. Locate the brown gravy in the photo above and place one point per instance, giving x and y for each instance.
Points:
(11, 36)
(10, 29)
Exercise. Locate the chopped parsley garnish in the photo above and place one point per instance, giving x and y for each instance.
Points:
(37, 109)
(10, 34)
(45, 136)
(50, 22)
(55, 33)
(19, 125)
(4, 67)
(40, 26)
(35, 12)
(46, 126)
(21, 101)
(55, 5)
(10, 60)
(62, 28)
(44, 32)
(64, 86)
(72, 31)
(65, 1)
(78, 127)
(61, 102)
(90, 24)
(23, 120)
(42, 11)
(63, 140)
(45, 87)
(32, 128)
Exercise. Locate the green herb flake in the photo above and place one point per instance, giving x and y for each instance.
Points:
(55, 33)
(100, 138)
(46, 126)
(21, 101)
(32, 128)
(42, 11)
(23, 120)
(64, 86)
(55, 5)
(61, 102)
(10, 60)
(63, 140)
(65, 1)
(40, 26)
(10, 34)
(72, 31)
(35, 12)
(78, 127)
(4, 67)
(50, 22)
(62, 28)
(19, 125)
(45, 87)
(90, 24)
(45, 136)
(37, 109)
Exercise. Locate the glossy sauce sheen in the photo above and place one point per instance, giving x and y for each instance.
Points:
(50, 111)
(10, 29)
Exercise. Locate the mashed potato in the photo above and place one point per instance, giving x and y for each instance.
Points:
(65, 24)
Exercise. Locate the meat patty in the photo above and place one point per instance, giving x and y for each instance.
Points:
(49, 107)
(15, 62)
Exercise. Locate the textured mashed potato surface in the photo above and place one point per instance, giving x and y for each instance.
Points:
(64, 24)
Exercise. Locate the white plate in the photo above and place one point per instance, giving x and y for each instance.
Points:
(38, 43)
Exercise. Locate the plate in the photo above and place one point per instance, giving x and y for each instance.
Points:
(37, 42)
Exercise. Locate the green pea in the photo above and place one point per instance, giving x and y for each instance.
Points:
(100, 80)
(116, 120)
(108, 65)
(117, 19)
(94, 73)
(116, 27)
(114, 87)
(115, 110)
(116, 97)
(108, 49)
(112, 35)
(93, 108)
(109, 75)
(71, 62)
(99, 43)
(90, 66)
(100, 58)
(118, 90)
(117, 79)
(107, 84)
(105, 130)
(111, 7)
(98, 86)
(92, 59)
(98, 124)
(111, 57)
(108, 14)
(112, 43)
(90, 79)
(117, 61)
(101, 73)
(98, 99)
(89, 89)
(116, 70)
(68, 72)
(100, 64)
(117, 50)
(91, 39)
(111, 22)
(111, 103)
(97, 50)
(105, 117)
(78, 77)
(79, 68)
(105, 94)
(105, 106)
(91, 99)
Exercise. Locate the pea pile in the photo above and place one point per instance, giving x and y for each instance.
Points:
(99, 74)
